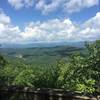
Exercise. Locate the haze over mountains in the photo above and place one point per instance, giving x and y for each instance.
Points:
(43, 44)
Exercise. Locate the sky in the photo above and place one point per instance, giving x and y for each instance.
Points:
(29, 21)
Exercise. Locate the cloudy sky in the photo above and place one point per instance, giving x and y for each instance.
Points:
(27, 21)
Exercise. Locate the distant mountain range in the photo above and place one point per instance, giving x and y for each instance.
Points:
(53, 44)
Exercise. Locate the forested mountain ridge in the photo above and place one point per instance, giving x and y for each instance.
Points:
(80, 72)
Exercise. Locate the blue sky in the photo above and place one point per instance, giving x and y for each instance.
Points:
(26, 21)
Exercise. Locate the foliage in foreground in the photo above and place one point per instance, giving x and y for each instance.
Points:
(81, 73)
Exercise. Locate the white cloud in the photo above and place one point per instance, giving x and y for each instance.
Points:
(53, 30)
(49, 31)
(4, 18)
(47, 6)
(90, 30)
(77, 5)
(68, 6)
(94, 22)
(63, 30)
(8, 32)
(21, 3)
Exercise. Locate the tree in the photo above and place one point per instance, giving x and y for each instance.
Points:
(25, 78)
(9, 74)
(3, 63)
(82, 73)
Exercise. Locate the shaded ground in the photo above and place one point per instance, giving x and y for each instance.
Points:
(27, 93)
